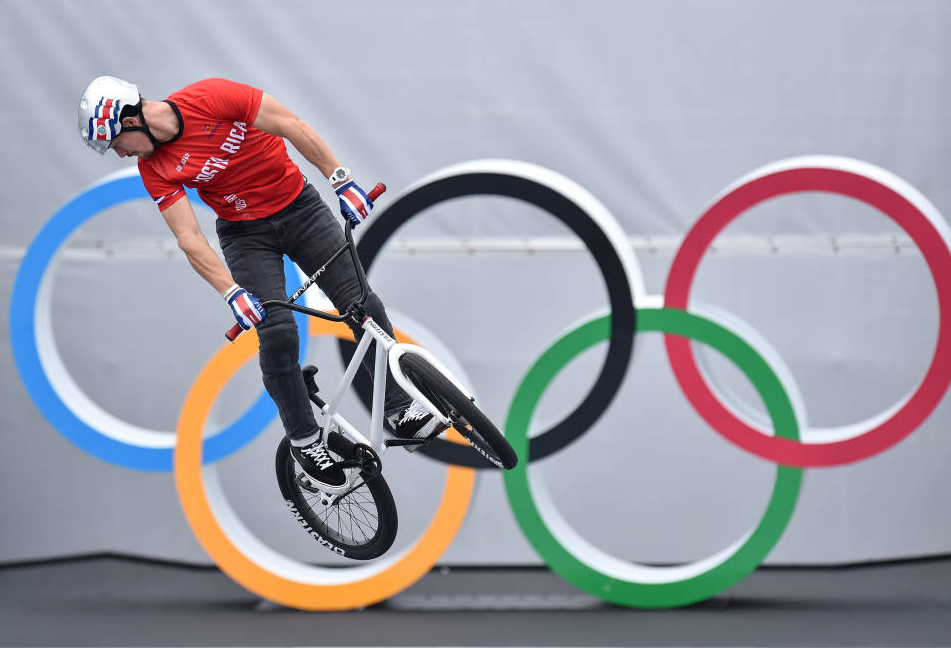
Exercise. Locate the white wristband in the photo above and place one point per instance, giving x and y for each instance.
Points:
(227, 294)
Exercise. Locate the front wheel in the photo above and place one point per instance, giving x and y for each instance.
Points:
(466, 418)
(361, 524)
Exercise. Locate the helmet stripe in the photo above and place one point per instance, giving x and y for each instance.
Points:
(103, 124)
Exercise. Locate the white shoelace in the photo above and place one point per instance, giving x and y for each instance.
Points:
(318, 453)
(414, 412)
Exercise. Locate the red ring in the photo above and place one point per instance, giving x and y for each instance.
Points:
(845, 183)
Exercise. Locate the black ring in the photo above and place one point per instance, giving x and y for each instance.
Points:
(620, 294)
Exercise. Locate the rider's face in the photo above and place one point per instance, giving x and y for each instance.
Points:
(133, 144)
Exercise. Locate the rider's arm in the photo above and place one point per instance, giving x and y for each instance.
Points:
(184, 225)
(275, 119)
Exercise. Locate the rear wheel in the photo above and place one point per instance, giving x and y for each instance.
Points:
(361, 524)
(466, 418)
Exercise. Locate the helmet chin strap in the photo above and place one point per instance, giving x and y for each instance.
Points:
(144, 128)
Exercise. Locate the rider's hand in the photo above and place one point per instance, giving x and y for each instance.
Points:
(354, 202)
(246, 307)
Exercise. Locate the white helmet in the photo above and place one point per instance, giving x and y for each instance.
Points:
(100, 109)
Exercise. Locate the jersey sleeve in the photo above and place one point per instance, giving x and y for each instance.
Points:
(163, 193)
(232, 100)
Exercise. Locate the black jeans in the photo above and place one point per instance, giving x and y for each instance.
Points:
(309, 233)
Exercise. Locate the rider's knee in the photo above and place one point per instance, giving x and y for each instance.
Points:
(279, 343)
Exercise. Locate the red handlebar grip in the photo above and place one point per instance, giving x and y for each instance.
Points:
(376, 191)
(233, 332)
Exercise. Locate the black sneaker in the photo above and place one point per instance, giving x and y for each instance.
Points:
(415, 422)
(319, 465)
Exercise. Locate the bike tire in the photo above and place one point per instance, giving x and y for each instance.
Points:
(467, 418)
(361, 525)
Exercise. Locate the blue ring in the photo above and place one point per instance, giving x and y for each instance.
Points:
(23, 304)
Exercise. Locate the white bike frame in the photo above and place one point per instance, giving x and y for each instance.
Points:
(388, 353)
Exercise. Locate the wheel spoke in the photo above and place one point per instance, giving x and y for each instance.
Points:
(360, 521)
(352, 519)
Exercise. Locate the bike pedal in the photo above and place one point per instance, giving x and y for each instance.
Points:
(413, 447)
(389, 443)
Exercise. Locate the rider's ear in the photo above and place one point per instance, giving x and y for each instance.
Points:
(130, 116)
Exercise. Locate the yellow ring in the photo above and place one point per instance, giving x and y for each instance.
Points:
(264, 582)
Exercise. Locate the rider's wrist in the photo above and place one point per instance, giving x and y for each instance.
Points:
(338, 176)
(226, 295)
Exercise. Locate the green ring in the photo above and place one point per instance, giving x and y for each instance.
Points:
(586, 567)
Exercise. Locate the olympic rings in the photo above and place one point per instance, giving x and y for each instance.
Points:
(585, 216)
(794, 444)
(45, 377)
(878, 188)
(589, 568)
(259, 568)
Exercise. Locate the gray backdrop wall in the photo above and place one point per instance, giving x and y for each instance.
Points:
(652, 107)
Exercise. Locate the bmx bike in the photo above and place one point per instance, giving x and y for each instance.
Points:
(359, 519)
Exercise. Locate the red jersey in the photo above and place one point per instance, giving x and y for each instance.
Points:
(240, 171)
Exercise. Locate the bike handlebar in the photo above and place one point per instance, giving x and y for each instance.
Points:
(374, 193)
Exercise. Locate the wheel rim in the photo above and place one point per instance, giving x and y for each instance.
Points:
(359, 506)
(459, 421)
